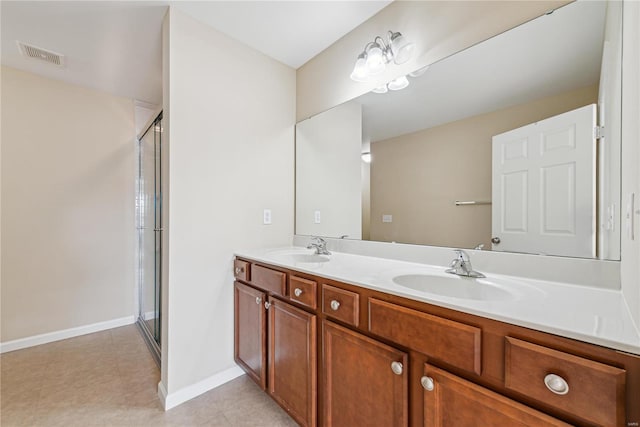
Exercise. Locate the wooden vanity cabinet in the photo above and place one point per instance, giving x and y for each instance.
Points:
(365, 381)
(250, 334)
(384, 360)
(275, 343)
(292, 360)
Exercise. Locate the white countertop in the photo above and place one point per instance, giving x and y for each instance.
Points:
(598, 316)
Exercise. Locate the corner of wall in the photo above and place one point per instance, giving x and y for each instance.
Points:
(171, 400)
(166, 114)
(630, 250)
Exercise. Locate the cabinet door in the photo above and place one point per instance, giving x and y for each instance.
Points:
(365, 381)
(451, 401)
(293, 360)
(250, 332)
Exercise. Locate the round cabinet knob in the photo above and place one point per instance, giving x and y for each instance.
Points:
(258, 300)
(335, 305)
(495, 240)
(267, 304)
(297, 292)
(556, 384)
(396, 367)
(427, 383)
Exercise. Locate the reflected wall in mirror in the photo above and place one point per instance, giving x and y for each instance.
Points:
(490, 124)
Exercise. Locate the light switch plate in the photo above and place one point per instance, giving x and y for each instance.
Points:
(387, 218)
(266, 216)
(316, 217)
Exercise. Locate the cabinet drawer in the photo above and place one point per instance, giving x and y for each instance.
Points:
(340, 304)
(593, 392)
(269, 280)
(451, 342)
(303, 291)
(241, 270)
(450, 401)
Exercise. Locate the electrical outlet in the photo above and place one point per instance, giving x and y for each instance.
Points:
(316, 217)
(266, 216)
(387, 218)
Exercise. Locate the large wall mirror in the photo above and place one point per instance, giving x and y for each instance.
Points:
(510, 145)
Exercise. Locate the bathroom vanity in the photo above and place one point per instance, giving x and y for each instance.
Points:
(336, 341)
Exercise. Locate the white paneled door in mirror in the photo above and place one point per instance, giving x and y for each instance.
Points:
(544, 178)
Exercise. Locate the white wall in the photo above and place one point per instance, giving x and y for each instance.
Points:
(630, 251)
(328, 176)
(68, 231)
(229, 115)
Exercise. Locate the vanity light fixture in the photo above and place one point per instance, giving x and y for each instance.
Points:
(378, 53)
(380, 89)
(419, 71)
(366, 157)
(399, 83)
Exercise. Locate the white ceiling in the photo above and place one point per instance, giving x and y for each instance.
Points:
(116, 46)
(550, 55)
(292, 32)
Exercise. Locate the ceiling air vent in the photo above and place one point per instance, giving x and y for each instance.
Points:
(41, 54)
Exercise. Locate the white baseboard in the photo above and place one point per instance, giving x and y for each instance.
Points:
(64, 334)
(187, 393)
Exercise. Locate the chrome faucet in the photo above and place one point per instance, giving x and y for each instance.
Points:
(319, 244)
(461, 265)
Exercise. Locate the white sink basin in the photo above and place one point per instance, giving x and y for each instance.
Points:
(299, 256)
(455, 287)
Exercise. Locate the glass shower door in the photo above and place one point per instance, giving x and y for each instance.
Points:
(149, 218)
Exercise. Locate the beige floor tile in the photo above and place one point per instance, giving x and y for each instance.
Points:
(109, 379)
(16, 417)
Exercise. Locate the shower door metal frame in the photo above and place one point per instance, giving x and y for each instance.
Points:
(152, 340)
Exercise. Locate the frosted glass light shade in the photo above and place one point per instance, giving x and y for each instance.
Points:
(419, 71)
(380, 89)
(366, 157)
(401, 48)
(359, 72)
(375, 59)
(399, 83)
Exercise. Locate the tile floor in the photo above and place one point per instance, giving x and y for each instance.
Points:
(110, 379)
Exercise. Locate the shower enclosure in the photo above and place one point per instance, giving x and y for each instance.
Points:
(149, 225)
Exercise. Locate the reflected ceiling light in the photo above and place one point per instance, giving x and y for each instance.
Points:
(377, 54)
(380, 89)
(366, 157)
(419, 71)
(399, 83)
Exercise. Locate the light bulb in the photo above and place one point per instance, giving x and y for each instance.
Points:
(399, 83)
(375, 59)
(401, 48)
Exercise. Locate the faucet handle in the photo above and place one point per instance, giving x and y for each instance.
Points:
(462, 255)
